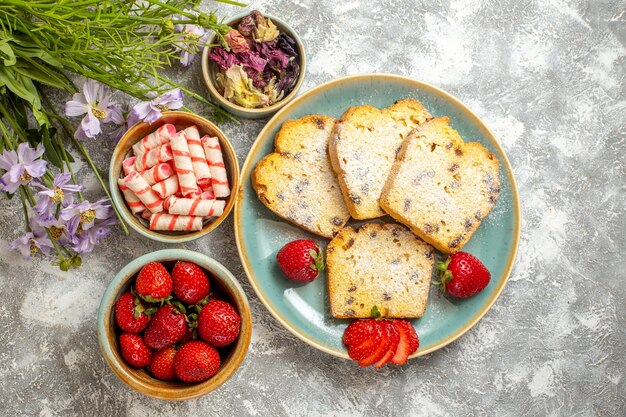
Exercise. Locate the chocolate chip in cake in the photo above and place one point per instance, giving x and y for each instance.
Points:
(319, 123)
(428, 229)
(352, 288)
(302, 185)
(349, 312)
(386, 297)
(373, 235)
(453, 167)
(428, 253)
(348, 244)
(458, 152)
(468, 225)
(349, 301)
(407, 205)
(448, 145)
(492, 199)
(355, 199)
(455, 242)
(430, 173)
(478, 215)
(337, 221)
(281, 196)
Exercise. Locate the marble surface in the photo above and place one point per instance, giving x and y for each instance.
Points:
(548, 78)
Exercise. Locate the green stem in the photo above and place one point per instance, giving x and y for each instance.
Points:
(25, 209)
(6, 136)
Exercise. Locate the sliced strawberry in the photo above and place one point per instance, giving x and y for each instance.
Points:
(381, 349)
(365, 349)
(408, 343)
(394, 338)
(358, 332)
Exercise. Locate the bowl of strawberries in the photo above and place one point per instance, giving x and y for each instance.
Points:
(174, 324)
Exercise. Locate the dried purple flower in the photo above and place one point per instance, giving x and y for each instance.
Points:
(61, 193)
(287, 44)
(223, 58)
(252, 60)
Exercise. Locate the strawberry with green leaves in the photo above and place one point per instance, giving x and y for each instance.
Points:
(166, 327)
(130, 314)
(301, 260)
(153, 282)
(463, 275)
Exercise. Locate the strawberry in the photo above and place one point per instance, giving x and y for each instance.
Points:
(359, 351)
(130, 314)
(301, 260)
(394, 339)
(463, 275)
(162, 364)
(134, 351)
(358, 332)
(381, 349)
(408, 343)
(153, 282)
(167, 326)
(218, 323)
(190, 282)
(196, 361)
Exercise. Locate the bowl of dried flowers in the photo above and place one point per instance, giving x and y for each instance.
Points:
(256, 68)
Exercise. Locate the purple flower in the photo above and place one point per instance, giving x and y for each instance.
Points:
(150, 111)
(56, 227)
(223, 58)
(252, 60)
(95, 101)
(60, 193)
(188, 42)
(82, 216)
(88, 239)
(122, 125)
(21, 166)
(32, 242)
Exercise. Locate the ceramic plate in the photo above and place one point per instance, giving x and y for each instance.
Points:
(303, 309)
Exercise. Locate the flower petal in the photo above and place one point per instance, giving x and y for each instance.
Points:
(90, 125)
(77, 106)
(93, 91)
(8, 159)
(37, 168)
(61, 179)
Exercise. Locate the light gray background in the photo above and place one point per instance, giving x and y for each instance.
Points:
(548, 78)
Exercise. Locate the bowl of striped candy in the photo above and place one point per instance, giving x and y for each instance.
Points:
(171, 180)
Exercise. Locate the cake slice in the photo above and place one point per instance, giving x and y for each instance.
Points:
(382, 265)
(363, 147)
(441, 187)
(297, 182)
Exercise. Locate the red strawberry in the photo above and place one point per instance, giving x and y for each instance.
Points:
(153, 282)
(408, 343)
(162, 364)
(134, 351)
(167, 326)
(463, 275)
(218, 323)
(301, 260)
(196, 361)
(190, 282)
(366, 348)
(380, 350)
(358, 332)
(394, 339)
(130, 315)
(187, 337)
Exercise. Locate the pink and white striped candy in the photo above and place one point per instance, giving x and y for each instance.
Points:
(128, 165)
(134, 203)
(207, 195)
(188, 206)
(217, 209)
(144, 192)
(153, 157)
(155, 139)
(158, 173)
(146, 214)
(184, 167)
(167, 187)
(172, 222)
(198, 158)
(219, 178)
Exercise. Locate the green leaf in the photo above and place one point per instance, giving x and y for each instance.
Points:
(50, 151)
(179, 306)
(7, 51)
(376, 313)
(150, 311)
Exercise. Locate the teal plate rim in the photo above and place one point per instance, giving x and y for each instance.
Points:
(273, 124)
